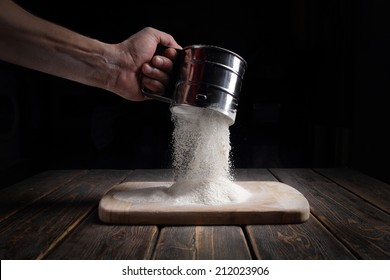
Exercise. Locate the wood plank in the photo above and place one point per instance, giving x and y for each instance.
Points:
(268, 202)
(35, 230)
(370, 189)
(93, 240)
(23, 193)
(364, 229)
(252, 174)
(306, 241)
(152, 175)
(202, 243)
(309, 240)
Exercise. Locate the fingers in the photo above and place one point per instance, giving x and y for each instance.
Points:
(153, 79)
(156, 73)
(170, 53)
(158, 69)
(162, 63)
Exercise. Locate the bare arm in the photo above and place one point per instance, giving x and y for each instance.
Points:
(35, 43)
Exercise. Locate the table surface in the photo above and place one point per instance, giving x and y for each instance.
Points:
(54, 215)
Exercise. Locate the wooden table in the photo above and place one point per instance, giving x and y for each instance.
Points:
(53, 215)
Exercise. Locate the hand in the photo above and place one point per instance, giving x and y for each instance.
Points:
(137, 66)
(123, 68)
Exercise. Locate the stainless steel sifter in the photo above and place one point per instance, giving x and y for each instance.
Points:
(207, 77)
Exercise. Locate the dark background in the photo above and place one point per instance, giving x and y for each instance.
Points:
(314, 94)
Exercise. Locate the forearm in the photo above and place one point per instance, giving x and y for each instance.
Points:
(31, 42)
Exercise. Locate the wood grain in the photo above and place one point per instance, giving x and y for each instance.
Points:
(306, 241)
(361, 227)
(93, 240)
(53, 215)
(252, 174)
(270, 203)
(33, 231)
(202, 243)
(18, 196)
(370, 189)
(150, 175)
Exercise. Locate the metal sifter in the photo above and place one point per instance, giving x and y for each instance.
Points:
(206, 77)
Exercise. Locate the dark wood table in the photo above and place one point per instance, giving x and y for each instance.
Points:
(53, 215)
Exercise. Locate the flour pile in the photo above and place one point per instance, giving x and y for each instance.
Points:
(201, 160)
(201, 164)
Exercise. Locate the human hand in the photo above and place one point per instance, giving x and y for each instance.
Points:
(135, 64)
(123, 68)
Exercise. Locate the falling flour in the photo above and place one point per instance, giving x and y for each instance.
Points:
(201, 164)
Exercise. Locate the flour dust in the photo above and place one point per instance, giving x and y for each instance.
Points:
(201, 163)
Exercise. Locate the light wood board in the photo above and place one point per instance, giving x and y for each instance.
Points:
(270, 203)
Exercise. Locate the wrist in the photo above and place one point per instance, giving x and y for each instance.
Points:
(109, 68)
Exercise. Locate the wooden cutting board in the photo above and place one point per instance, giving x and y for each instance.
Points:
(270, 203)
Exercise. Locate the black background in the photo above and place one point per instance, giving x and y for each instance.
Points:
(314, 94)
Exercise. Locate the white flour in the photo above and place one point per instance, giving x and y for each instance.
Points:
(201, 164)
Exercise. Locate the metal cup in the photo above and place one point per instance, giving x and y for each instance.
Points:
(208, 77)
